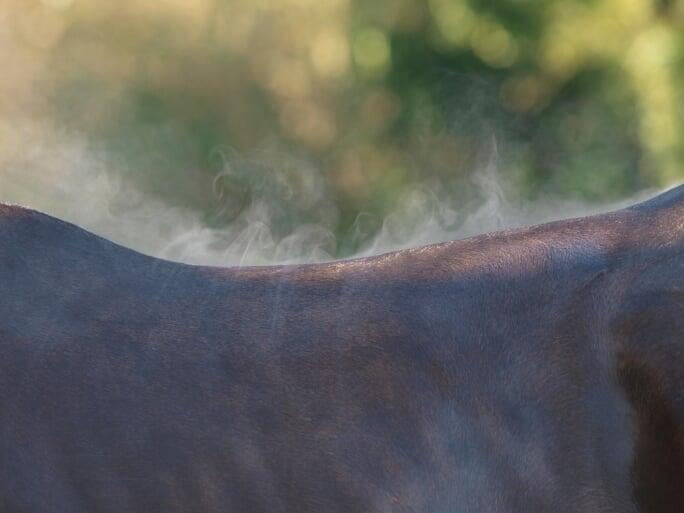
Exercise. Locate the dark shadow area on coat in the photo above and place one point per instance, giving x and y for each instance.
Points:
(658, 470)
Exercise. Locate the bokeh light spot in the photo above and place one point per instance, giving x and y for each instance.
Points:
(308, 123)
(494, 45)
(372, 53)
(521, 94)
(330, 54)
(454, 19)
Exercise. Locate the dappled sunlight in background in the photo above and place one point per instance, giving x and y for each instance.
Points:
(252, 131)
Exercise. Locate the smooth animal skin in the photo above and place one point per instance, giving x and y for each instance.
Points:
(528, 371)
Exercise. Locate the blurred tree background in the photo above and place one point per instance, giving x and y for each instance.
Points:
(199, 101)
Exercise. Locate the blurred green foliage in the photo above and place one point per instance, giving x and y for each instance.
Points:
(578, 98)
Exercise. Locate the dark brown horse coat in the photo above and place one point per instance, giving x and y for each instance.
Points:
(528, 371)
